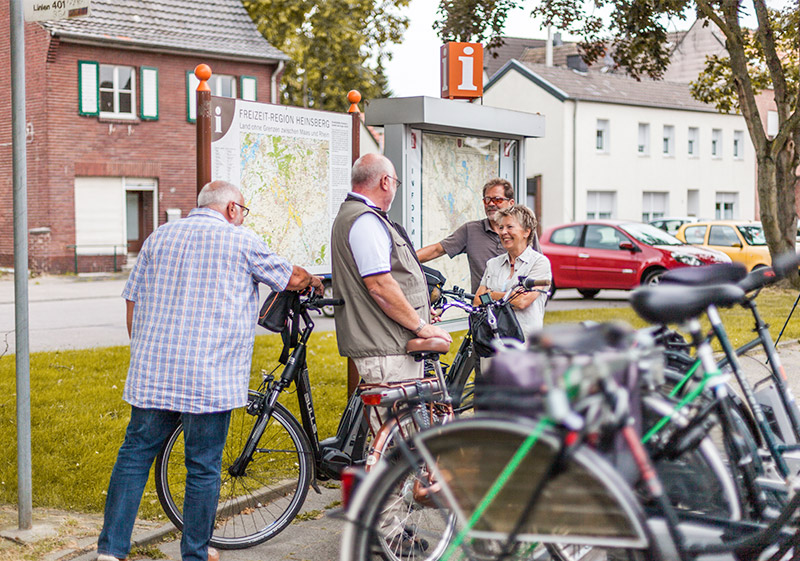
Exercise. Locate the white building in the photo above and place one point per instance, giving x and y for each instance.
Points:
(618, 148)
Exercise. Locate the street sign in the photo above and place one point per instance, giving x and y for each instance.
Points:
(462, 70)
(49, 10)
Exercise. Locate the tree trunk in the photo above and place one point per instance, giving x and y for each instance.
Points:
(776, 197)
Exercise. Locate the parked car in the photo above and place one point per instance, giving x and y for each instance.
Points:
(614, 254)
(743, 241)
(671, 224)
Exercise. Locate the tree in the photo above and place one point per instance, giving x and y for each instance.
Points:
(635, 32)
(335, 46)
(473, 21)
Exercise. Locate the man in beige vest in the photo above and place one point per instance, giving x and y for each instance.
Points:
(376, 272)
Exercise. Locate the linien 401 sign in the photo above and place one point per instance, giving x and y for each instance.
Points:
(49, 10)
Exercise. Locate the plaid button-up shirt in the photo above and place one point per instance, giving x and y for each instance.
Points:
(195, 285)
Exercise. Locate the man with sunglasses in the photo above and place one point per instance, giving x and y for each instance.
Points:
(479, 239)
(192, 302)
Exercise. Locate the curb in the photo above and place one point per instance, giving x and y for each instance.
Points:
(145, 538)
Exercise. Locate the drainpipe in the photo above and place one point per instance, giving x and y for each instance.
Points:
(273, 90)
(574, 158)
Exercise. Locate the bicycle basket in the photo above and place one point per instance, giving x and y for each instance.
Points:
(507, 327)
(435, 281)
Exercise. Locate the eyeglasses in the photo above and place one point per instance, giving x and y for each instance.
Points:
(397, 182)
(495, 200)
(245, 210)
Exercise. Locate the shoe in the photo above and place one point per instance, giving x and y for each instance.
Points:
(405, 544)
(213, 554)
(107, 557)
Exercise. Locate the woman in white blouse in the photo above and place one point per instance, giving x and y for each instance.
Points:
(516, 227)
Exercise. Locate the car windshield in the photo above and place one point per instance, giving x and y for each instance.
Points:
(650, 235)
(753, 234)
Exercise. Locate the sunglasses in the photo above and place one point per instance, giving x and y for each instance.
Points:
(495, 200)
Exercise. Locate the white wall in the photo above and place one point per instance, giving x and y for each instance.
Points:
(622, 169)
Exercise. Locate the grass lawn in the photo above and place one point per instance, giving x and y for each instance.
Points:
(79, 418)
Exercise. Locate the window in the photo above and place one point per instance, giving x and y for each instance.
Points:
(644, 139)
(716, 143)
(693, 202)
(602, 140)
(600, 204)
(693, 147)
(738, 145)
(723, 236)
(221, 85)
(668, 144)
(571, 235)
(603, 237)
(109, 91)
(116, 91)
(726, 206)
(695, 234)
(654, 205)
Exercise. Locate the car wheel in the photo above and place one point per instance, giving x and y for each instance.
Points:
(757, 267)
(653, 277)
(588, 294)
(328, 293)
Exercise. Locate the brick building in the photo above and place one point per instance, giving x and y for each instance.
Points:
(110, 121)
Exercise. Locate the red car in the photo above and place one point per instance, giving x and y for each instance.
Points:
(615, 254)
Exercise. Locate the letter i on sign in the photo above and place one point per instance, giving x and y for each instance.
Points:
(462, 70)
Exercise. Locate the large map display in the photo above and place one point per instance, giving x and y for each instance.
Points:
(454, 170)
(293, 168)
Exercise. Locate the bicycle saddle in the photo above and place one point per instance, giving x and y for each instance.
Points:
(677, 303)
(585, 338)
(435, 345)
(719, 273)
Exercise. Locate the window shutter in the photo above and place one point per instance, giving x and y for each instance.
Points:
(148, 93)
(88, 92)
(191, 96)
(248, 87)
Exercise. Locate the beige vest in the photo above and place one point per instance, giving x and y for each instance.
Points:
(362, 328)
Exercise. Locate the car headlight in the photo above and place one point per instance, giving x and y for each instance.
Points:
(686, 259)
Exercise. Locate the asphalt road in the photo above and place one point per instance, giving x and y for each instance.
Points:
(67, 312)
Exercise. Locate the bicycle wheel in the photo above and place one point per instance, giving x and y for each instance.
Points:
(257, 505)
(434, 499)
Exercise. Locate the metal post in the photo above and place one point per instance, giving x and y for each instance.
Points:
(203, 73)
(353, 96)
(24, 493)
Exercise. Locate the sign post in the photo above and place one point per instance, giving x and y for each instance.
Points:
(203, 73)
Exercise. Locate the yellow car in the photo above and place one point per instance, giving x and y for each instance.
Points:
(743, 241)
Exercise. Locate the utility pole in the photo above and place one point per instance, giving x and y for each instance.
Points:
(23, 362)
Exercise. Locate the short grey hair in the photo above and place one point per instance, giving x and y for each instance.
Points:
(368, 170)
(218, 193)
(523, 215)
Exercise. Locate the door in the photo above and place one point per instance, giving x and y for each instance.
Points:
(602, 264)
(135, 220)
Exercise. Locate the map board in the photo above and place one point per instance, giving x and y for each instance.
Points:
(293, 168)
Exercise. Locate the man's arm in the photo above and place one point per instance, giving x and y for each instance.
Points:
(129, 315)
(429, 252)
(390, 298)
(301, 279)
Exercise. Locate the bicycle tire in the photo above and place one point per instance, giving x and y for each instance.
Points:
(467, 453)
(258, 505)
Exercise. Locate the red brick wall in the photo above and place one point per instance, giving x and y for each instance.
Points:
(67, 145)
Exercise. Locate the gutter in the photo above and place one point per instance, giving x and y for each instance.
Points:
(574, 158)
(273, 82)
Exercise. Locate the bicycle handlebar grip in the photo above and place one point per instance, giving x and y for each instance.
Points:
(531, 283)
(784, 264)
(329, 302)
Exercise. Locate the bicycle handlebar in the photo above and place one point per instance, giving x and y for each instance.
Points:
(529, 283)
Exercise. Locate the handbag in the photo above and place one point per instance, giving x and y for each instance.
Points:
(507, 327)
(278, 315)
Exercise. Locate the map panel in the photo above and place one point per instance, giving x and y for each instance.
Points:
(285, 184)
(454, 170)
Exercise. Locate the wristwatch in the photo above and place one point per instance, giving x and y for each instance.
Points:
(420, 326)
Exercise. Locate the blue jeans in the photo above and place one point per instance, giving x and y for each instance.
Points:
(204, 438)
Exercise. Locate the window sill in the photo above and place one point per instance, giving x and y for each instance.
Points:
(119, 119)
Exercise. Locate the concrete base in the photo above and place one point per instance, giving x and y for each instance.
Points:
(36, 533)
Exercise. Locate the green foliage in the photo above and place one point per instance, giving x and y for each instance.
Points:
(473, 21)
(334, 46)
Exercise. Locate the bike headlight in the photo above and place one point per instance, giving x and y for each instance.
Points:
(686, 259)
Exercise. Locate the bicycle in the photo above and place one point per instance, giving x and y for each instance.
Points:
(540, 482)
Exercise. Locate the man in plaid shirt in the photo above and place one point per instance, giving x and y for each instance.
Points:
(192, 300)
